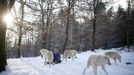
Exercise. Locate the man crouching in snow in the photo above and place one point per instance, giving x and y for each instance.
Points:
(57, 57)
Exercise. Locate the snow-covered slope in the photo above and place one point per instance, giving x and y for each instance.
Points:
(35, 66)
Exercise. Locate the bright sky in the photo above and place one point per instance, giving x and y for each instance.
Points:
(8, 19)
(123, 3)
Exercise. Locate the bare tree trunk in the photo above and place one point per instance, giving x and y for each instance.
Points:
(94, 26)
(79, 43)
(3, 9)
(50, 25)
(80, 37)
(49, 38)
(46, 27)
(67, 25)
(3, 62)
(49, 13)
(128, 15)
(20, 28)
(71, 26)
(43, 27)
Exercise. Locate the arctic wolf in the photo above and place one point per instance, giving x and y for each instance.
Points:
(113, 55)
(69, 54)
(48, 55)
(95, 61)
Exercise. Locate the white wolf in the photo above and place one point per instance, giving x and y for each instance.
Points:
(95, 61)
(69, 54)
(113, 55)
(48, 55)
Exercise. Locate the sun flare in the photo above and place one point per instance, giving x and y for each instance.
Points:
(8, 19)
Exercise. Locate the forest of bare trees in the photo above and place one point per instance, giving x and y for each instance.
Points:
(65, 24)
(72, 24)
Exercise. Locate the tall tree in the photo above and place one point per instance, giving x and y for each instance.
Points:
(67, 24)
(44, 27)
(128, 16)
(20, 28)
(46, 9)
(48, 22)
(98, 7)
(119, 29)
(4, 7)
(94, 24)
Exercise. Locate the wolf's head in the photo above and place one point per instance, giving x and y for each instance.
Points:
(108, 60)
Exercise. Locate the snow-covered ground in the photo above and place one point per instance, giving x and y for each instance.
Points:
(35, 66)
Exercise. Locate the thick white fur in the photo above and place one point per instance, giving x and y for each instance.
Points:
(95, 61)
(69, 54)
(113, 55)
(48, 55)
(74, 52)
(43, 53)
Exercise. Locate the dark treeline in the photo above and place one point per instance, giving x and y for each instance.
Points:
(74, 23)
(123, 28)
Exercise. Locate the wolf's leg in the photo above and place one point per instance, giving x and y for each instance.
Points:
(45, 59)
(114, 60)
(103, 67)
(87, 66)
(72, 58)
(66, 59)
(119, 58)
(95, 70)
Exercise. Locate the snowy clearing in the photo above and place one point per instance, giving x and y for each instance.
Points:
(35, 66)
